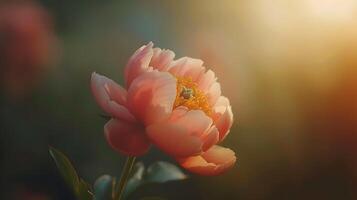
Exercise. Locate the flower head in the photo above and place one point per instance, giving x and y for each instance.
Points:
(174, 104)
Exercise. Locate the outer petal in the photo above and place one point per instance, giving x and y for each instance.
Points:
(214, 93)
(183, 134)
(210, 138)
(151, 96)
(162, 59)
(225, 123)
(138, 63)
(174, 140)
(213, 162)
(111, 97)
(126, 138)
(223, 116)
(220, 107)
(195, 121)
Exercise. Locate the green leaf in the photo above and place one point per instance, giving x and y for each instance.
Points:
(159, 172)
(137, 178)
(103, 187)
(84, 191)
(80, 188)
(65, 167)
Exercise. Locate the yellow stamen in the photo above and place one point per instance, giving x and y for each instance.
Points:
(188, 95)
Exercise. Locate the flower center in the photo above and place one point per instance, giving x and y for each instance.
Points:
(190, 96)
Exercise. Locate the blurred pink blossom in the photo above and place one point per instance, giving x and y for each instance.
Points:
(26, 45)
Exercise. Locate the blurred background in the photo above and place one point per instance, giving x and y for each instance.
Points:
(289, 68)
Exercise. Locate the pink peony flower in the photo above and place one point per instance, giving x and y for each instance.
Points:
(174, 104)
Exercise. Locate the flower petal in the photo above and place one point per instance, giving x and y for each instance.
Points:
(215, 161)
(223, 116)
(138, 63)
(151, 96)
(195, 121)
(195, 70)
(183, 133)
(174, 139)
(214, 93)
(178, 113)
(210, 138)
(111, 97)
(187, 67)
(179, 66)
(162, 59)
(126, 138)
(206, 80)
(220, 107)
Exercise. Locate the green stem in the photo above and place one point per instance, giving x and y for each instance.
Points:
(119, 190)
